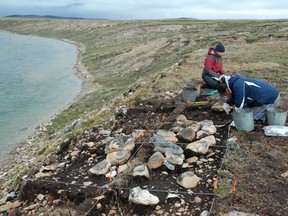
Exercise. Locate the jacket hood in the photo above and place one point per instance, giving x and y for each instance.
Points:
(231, 79)
(234, 77)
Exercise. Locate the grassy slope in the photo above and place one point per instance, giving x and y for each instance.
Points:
(124, 55)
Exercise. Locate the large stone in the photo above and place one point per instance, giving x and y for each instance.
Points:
(120, 142)
(169, 165)
(9, 205)
(155, 161)
(122, 168)
(186, 134)
(188, 180)
(237, 213)
(195, 126)
(165, 146)
(100, 168)
(192, 160)
(175, 159)
(217, 107)
(181, 118)
(118, 157)
(168, 135)
(208, 126)
(143, 197)
(202, 146)
(201, 134)
(141, 170)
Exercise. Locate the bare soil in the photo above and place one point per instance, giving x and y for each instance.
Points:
(255, 161)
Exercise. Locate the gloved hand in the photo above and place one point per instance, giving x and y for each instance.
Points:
(226, 108)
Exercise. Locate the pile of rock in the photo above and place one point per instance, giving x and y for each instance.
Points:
(168, 151)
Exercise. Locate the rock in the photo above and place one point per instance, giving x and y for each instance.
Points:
(181, 118)
(170, 195)
(155, 161)
(122, 111)
(202, 146)
(41, 174)
(119, 157)
(87, 183)
(208, 126)
(204, 213)
(31, 207)
(100, 168)
(143, 197)
(188, 180)
(121, 168)
(186, 134)
(111, 174)
(50, 167)
(63, 211)
(7, 196)
(237, 213)
(90, 144)
(165, 146)
(9, 205)
(121, 142)
(57, 202)
(141, 170)
(138, 133)
(217, 107)
(167, 135)
(40, 197)
(197, 200)
(175, 159)
(285, 175)
(201, 134)
(195, 126)
(74, 153)
(105, 133)
(169, 165)
(192, 160)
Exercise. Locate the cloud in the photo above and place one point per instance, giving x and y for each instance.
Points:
(145, 9)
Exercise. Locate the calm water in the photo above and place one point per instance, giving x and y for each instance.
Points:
(37, 79)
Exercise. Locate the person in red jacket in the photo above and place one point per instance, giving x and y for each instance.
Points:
(213, 66)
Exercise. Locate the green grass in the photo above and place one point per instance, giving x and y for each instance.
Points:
(106, 40)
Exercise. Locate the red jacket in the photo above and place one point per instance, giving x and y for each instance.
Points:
(213, 64)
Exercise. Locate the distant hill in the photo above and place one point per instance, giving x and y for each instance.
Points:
(44, 17)
(59, 17)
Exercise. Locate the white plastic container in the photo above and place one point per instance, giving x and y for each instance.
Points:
(275, 130)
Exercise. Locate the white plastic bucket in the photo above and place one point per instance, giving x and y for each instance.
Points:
(276, 117)
(189, 94)
(243, 120)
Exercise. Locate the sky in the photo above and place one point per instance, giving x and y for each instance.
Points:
(149, 9)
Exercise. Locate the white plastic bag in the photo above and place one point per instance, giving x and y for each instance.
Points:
(275, 130)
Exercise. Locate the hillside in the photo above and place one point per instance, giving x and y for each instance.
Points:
(124, 63)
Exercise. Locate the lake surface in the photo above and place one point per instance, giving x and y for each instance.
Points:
(37, 79)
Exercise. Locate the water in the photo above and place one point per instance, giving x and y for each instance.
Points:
(37, 79)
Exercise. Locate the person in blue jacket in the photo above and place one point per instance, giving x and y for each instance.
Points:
(243, 92)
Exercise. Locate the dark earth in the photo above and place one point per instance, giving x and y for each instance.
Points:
(255, 162)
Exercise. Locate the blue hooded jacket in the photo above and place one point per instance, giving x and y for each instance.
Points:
(249, 92)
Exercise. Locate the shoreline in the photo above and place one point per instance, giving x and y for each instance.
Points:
(82, 73)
